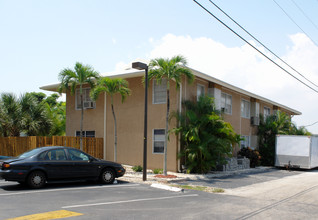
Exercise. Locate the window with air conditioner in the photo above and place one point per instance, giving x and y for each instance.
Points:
(226, 103)
(87, 102)
(159, 92)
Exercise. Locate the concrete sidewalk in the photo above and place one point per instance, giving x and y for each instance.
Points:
(132, 176)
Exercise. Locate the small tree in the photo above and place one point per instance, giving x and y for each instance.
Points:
(70, 79)
(170, 69)
(205, 137)
(112, 87)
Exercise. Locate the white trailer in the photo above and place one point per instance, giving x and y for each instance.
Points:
(296, 151)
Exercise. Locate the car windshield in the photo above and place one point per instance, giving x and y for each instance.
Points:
(29, 153)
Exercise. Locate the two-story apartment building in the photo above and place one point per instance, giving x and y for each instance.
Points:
(241, 108)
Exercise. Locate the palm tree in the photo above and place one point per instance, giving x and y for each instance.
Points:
(37, 120)
(70, 79)
(112, 87)
(25, 114)
(170, 69)
(11, 121)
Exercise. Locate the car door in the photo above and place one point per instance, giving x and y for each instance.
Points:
(83, 166)
(56, 164)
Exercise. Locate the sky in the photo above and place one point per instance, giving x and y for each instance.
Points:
(39, 38)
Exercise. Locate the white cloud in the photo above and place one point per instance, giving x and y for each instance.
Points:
(247, 69)
(114, 40)
(122, 66)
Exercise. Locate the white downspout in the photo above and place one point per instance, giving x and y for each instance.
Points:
(105, 123)
(179, 142)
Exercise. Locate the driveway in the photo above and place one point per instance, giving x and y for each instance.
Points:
(267, 195)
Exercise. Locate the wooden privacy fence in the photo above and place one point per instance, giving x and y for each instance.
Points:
(13, 146)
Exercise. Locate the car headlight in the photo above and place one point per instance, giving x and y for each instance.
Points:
(6, 166)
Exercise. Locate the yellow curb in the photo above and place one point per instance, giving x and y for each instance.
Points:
(48, 215)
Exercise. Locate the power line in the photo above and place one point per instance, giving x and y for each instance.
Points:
(295, 23)
(310, 124)
(305, 15)
(253, 46)
(261, 43)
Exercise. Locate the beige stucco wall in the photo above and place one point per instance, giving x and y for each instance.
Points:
(130, 121)
(93, 118)
(130, 125)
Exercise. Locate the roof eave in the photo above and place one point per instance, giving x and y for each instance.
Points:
(234, 88)
(127, 74)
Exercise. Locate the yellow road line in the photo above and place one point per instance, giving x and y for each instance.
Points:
(48, 215)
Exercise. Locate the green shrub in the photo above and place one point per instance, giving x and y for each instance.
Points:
(158, 171)
(252, 155)
(137, 168)
(206, 139)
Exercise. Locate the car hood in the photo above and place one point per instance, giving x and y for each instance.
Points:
(110, 163)
(10, 160)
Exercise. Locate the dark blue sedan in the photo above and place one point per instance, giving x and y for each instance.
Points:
(40, 165)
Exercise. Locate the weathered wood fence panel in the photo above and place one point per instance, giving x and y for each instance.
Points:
(13, 146)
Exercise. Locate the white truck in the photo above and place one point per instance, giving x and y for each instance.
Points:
(294, 151)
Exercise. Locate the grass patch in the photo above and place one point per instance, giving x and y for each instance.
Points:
(200, 188)
(158, 171)
(137, 168)
(218, 190)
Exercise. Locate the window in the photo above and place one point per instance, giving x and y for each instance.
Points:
(245, 109)
(58, 154)
(88, 103)
(86, 133)
(226, 103)
(200, 91)
(267, 112)
(159, 92)
(158, 141)
(245, 142)
(77, 155)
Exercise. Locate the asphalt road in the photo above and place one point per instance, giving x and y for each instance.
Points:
(271, 195)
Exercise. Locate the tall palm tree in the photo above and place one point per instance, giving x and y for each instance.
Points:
(170, 69)
(70, 79)
(112, 87)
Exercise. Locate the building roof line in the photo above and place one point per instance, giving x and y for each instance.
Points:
(130, 73)
(237, 89)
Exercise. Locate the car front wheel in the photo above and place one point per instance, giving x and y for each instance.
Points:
(36, 179)
(107, 176)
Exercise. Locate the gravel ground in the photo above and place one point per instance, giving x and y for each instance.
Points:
(132, 176)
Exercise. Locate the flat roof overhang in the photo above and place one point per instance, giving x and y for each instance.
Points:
(131, 73)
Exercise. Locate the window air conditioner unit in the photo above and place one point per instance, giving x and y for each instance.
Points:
(255, 120)
(88, 104)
